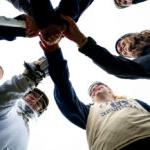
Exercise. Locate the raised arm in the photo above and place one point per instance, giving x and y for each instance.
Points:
(20, 26)
(10, 28)
(67, 101)
(16, 87)
(116, 65)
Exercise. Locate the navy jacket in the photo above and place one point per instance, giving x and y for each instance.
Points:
(118, 65)
(44, 13)
(65, 96)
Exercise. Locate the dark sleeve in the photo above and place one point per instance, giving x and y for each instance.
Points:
(144, 105)
(10, 33)
(138, 1)
(115, 65)
(42, 12)
(73, 10)
(22, 5)
(10, 28)
(69, 104)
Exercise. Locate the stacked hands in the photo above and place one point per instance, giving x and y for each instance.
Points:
(51, 35)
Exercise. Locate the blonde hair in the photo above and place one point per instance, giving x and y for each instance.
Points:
(118, 98)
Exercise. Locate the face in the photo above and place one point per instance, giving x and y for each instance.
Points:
(126, 47)
(123, 3)
(100, 91)
(34, 101)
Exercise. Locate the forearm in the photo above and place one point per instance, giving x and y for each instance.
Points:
(119, 66)
(22, 5)
(73, 10)
(138, 1)
(65, 96)
(10, 28)
(15, 88)
(42, 12)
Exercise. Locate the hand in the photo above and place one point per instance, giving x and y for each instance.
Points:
(36, 70)
(31, 28)
(52, 31)
(52, 43)
(73, 33)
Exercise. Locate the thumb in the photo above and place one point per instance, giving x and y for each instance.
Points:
(42, 45)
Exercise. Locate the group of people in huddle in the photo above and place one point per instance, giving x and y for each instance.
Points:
(111, 122)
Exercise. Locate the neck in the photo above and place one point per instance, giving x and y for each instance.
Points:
(104, 98)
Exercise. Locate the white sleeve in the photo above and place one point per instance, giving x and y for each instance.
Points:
(11, 22)
(15, 88)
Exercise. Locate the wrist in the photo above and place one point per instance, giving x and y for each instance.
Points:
(50, 49)
(81, 41)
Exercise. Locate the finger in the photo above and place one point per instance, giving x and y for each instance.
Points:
(53, 40)
(42, 45)
(68, 19)
(43, 40)
(41, 37)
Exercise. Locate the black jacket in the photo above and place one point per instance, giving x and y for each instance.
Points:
(118, 65)
(44, 13)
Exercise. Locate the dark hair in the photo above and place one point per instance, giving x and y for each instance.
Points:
(142, 40)
(121, 38)
(118, 5)
(133, 2)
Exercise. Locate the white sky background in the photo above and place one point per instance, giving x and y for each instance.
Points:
(105, 23)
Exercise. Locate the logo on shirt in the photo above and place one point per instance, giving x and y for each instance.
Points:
(116, 106)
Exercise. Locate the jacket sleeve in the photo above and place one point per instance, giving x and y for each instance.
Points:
(144, 105)
(69, 104)
(13, 89)
(10, 28)
(22, 5)
(115, 65)
(42, 12)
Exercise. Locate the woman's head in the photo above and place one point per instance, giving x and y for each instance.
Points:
(123, 3)
(126, 3)
(132, 45)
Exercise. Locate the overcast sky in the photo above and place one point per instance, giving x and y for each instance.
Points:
(105, 23)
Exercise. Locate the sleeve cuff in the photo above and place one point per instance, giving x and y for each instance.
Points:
(90, 41)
